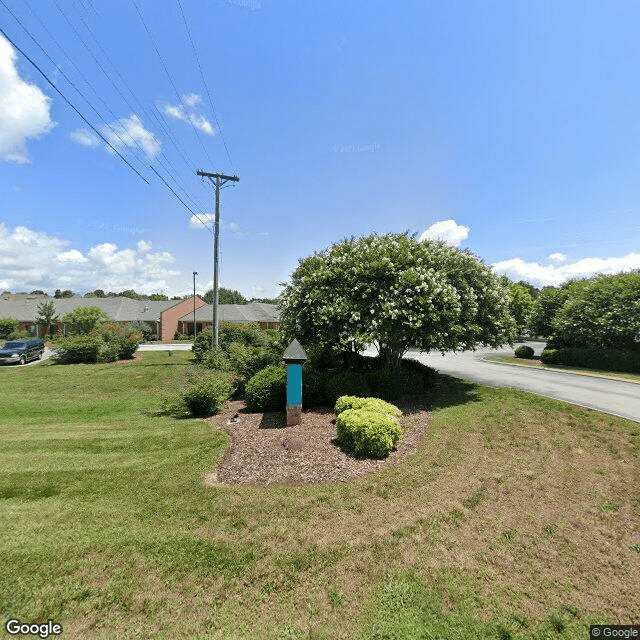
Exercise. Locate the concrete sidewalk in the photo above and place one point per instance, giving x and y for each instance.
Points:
(165, 346)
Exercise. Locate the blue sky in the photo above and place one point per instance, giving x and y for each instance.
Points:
(509, 128)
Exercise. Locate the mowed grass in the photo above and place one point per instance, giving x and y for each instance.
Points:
(526, 362)
(519, 517)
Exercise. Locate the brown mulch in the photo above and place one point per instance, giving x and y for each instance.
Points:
(264, 450)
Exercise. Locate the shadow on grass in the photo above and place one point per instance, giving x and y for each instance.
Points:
(447, 392)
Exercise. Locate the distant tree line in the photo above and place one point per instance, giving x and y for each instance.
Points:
(225, 296)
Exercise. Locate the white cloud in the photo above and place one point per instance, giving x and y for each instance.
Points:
(448, 230)
(24, 109)
(543, 275)
(85, 137)
(71, 256)
(34, 260)
(179, 112)
(191, 99)
(130, 132)
(200, 122)
(207, 218)
(558, 257)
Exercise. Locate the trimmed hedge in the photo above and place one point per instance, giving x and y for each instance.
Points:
(266, 391)
(592, 358)
(523, 351)
(368, 425)
(367, 432)
(372, 404)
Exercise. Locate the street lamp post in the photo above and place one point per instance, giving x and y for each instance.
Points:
(195, 332)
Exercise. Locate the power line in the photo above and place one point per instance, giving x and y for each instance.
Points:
(44, 75)
(64, 75)
(213, 109)
(98, 133)
(85, 45)
(162, 123)
(166, 70)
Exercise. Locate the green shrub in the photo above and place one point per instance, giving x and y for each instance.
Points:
(523, 351)
(144, 328)
(7, 327)
(77, 349)
(429, 374)
(17, 335)
(216, 359)
(313, 387)
(247, 361)
(206, 396)
(109, 351)
(349, 383)
(368, 433)
(266, 390)
(120, 342)
(249, 334)
(592, 358)
(392, 385)
(370, 404)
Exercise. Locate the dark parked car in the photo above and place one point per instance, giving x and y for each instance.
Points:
(21, 351)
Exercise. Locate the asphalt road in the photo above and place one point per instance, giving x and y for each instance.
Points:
(611, 396)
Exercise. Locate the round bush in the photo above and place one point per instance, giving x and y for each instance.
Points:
(523, 351)
(207, 396)
(371, 404)
(369, 433)
(266, 390)
(76, 349)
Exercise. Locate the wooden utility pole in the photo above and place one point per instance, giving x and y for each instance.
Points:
(195, 273)
(220, 180)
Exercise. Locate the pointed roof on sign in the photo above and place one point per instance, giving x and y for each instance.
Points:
(294, 353)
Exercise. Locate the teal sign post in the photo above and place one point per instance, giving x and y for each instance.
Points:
(294, 357)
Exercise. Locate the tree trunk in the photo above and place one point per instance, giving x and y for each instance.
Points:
(391, 356)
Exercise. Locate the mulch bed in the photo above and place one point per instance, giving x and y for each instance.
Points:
(264, 450)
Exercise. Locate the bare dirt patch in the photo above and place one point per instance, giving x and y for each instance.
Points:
(264, 450)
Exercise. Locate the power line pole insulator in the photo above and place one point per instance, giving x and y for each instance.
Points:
(220, 179)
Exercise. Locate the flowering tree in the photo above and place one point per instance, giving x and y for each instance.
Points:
(396, 292)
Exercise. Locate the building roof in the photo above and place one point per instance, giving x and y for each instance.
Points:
(119, 308)
(252, 312)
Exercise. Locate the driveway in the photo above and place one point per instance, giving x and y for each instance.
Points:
(46, 355)
(611, 396)
(163, 346)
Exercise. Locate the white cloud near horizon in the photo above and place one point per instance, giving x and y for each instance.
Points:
(184, 112)
(131, 133)
(448, 230)
(25, 111)
(556, 274)
(32, 260)
(558, 257)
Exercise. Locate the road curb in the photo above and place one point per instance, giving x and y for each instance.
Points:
(573, 373)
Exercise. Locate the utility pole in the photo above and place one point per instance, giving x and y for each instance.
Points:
(220, 180)
(195, 332)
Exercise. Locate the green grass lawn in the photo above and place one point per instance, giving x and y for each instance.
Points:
(519, 517)
(533, 362)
